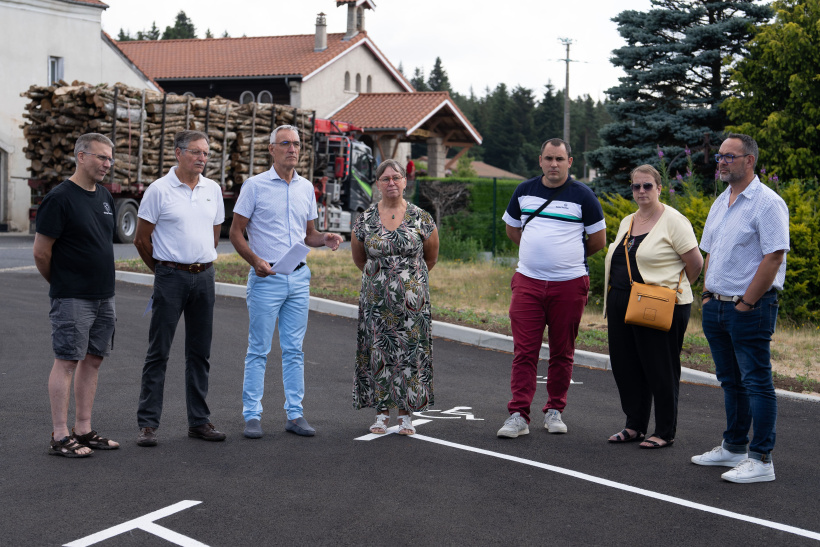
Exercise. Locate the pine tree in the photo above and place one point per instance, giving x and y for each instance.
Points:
(777, 95)
(417, 81)
(124, 36)
(183, 28)
(675, 83)
(208, 33)
(153, 32)
(438, 80)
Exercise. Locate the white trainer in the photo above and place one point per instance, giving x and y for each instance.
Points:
(719, 456)
(514, 426)
(750, 470)
(553, 422)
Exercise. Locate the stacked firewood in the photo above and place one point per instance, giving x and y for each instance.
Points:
(142, 125)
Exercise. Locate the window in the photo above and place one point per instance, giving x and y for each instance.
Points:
(358, 83)
(370, 84)
(347, 81)
(264, 96)
(55, 70)
(246, 97)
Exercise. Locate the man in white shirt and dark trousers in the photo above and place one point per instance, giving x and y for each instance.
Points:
(177, 234)
(746, 238)
(277, 208)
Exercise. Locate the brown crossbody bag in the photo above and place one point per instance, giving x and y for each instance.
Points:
(649, 305)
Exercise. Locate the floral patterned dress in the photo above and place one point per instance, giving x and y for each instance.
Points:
(394, 354)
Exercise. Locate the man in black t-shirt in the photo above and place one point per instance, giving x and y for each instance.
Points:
(73, 251)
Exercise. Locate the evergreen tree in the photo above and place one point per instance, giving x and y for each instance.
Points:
(777, 95)
(124, 36)
(208, 33)
(183, 28)
(417, 81)
(438, 80)
(548, 116)
(674, 86)
(153, 32)
(225, 35)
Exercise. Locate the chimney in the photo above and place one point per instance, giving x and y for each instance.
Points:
(320, 43)
(351, 21)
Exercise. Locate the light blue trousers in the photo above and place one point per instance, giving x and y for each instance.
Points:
(286, 298)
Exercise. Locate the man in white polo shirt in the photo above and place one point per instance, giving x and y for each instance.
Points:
(177, 234)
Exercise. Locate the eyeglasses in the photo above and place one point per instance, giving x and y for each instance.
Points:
(729, 158)
(197, 153)
(100, 157)
(647, 186)
(284, 145)
(395, 178)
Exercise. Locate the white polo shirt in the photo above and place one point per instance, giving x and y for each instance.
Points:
(184, 219)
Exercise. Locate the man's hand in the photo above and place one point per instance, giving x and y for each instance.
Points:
(332, 241)
(262, 268)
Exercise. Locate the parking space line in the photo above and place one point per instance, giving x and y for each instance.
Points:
(627, 488)
(145, 523)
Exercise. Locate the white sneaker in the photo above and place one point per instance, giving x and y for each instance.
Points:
(514, 426)
(750, 470)
(719, 456)
(553, 422)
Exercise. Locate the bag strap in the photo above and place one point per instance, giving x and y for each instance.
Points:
(629, 269)
(545, 204)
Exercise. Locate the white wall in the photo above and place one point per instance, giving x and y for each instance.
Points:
(325, 93)
(32, 31)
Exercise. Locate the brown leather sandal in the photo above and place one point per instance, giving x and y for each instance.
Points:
(66, 447)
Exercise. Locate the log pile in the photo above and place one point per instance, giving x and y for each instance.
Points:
(142, 125)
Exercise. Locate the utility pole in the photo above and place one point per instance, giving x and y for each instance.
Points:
(566, 42)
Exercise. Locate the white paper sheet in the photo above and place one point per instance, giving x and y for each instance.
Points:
(292, 258)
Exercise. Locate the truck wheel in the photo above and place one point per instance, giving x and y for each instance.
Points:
(126, 226)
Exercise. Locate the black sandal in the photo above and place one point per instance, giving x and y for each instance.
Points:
(94, 441)
(655, 445)
(626, 438)
(66, 447)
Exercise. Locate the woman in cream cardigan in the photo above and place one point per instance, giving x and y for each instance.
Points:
(645, 361)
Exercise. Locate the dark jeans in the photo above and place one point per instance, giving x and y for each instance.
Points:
(646, 366)
(740, 342)
(177, 292)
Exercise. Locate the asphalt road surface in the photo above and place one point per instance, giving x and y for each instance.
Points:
(454, 483)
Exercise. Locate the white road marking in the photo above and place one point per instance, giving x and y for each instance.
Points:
(626, 488)
(145, 523)
(18, 269)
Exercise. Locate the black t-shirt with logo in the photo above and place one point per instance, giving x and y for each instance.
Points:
(82, 259)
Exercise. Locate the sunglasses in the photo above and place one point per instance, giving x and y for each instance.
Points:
(647, 186)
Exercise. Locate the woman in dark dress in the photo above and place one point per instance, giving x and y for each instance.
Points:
(395, 244)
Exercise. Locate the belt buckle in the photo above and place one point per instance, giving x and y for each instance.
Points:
(195, 268)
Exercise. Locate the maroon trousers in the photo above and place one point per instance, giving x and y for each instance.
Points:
(536, 305)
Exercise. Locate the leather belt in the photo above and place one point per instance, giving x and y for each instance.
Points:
(192, 268)
(724, 298)
(299, 267)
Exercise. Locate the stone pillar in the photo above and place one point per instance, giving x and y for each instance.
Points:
(436, 157)
(295, 94)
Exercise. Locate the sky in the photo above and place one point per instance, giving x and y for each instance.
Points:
(481, 43)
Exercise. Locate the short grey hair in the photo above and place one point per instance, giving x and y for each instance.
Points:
(557, 142)
(390, 163)
(284, 128)
(183, 139)
(749, 144)
(83, 143)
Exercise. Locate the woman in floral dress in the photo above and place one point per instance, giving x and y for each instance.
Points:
(395, 245)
